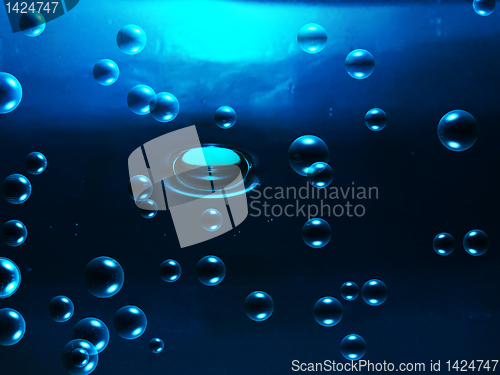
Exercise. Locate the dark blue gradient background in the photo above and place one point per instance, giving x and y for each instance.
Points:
(431, 57)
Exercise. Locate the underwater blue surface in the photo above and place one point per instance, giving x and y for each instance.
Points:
(398, 188)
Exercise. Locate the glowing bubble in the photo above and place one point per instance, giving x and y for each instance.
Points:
(141, 99)
(32, 24)
(131, 39)
(210, 270)
(103, 277)
(374, 292)
(12, 327)
(305, 151)
(130, 322)
(79, 357)
(316, 233)
(164, 107)
(328, 311)
(14, 233)
(320, 175)
(443, 244)
(353, 347)
(148, 208)
(225, 117)
(349, 291)
(359, 64)
(170, 270)
(106, 72)
(484, 7)
(458, 130)
(476, 242)
(10, 277)
(156, 345)
(61, 309)
(312, 38)
(211, 220)
(141, 186)
(259, 306)
(75, 361)
(35, 163)
(11, 93)
(16, 189)
(93, 330)
(376, 119)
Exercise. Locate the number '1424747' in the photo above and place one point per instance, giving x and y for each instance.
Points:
(39, 6)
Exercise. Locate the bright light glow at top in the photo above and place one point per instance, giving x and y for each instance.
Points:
(252, 37)
(452, 117)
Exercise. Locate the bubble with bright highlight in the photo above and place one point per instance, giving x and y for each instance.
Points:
(156, 345)
(141, 99)
(360, 64)
(106, 72)
(12, 327)
(484, 7)
(305, 151)
(353, 347)
(312, 38)
(376, 119)
(328, 311)
(320, 175)
(14, 233)
(316, 233)
(164, 107)
(211, 220)
(349, 291)
(170, 270)
(148, 208)
(93, 330)
(141, 186)
(79, 357)
(458, 130)
(74, 357)
(210, 270)
(130, 322)
(259, 306)
(16, 189)
(10, 277)
(32, 24)
(443, 244)
(35, 163)
(374, 292)
(225, 117)
(11, 93)
(103, 277)
(131, 39)
(476, 242)
(61, 309)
